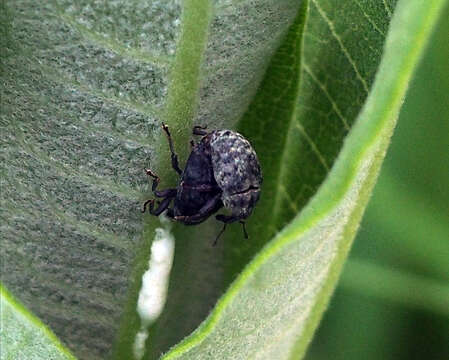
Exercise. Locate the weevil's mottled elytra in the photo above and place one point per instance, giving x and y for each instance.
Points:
(236, 171)
(221, 171)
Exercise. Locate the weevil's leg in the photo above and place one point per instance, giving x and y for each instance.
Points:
(162, 206)
(170, 213)
(219, 234)
(227, 219)
(199, 130)
(160, 193)
(174, 157)
(151, 202)
(230, 219)
(210, 207)
(156, 179)
(245, 233)
(165, 193)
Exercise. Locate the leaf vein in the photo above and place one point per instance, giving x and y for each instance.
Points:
(371, 21)
(113, 45)
(297, 47)
(64, 170)
(313, 146)
(150, 111)
(387, 8)
(326, 92)
(343, 48)
(84, 227)
(137, 140)
(290, 201)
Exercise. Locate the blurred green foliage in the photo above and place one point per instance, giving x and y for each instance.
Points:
(401, 311)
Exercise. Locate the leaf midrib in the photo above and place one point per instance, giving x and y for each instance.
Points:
(178, 114)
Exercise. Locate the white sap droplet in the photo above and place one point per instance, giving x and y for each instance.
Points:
(153, 293)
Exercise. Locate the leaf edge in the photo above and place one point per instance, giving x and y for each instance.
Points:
(6, 296)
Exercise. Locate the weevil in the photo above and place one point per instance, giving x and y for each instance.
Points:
(222, 171)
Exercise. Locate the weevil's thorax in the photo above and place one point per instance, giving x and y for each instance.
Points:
(198, 169)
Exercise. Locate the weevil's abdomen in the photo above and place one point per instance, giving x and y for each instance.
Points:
(236, 171)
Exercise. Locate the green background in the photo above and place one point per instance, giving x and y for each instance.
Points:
(403, 237)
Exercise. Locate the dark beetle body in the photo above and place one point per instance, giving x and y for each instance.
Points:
(197, 184)
(221, 171)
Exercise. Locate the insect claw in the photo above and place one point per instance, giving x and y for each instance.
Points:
(165, 128)
(151, 173)
(245, 233)
(151, 204)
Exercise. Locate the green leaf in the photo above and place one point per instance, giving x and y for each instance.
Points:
(415, 173)
(86, 85)
(23, 336)
(403, 235)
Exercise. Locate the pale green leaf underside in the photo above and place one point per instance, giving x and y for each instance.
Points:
(278, 299)
(23, 336)
(84, 87)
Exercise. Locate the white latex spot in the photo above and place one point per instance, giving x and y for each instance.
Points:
(155, 280)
